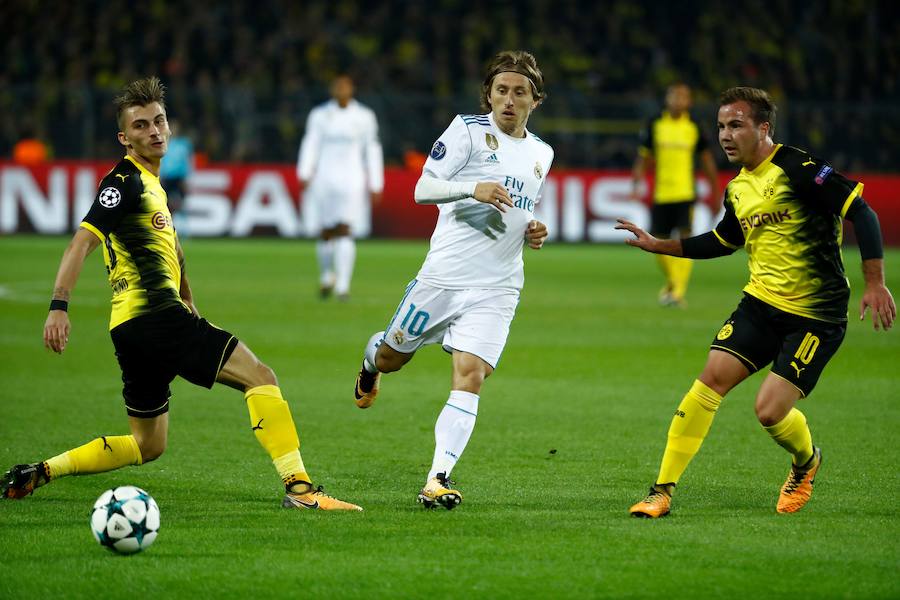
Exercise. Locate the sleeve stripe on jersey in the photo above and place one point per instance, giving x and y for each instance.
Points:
(857, 192)
(475, 119)
(724, 242)
(93, 230)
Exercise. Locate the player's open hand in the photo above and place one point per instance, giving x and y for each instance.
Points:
(879, 299)
(535, 234)
(493, 194)
(642, 239)
(56, 330)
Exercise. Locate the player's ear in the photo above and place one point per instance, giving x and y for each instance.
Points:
(123, 140)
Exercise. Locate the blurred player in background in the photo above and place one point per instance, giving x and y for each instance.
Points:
(340, 159)
(785, 208)
(174, 171)
(670, 142)
(486, 173)
(155, 327)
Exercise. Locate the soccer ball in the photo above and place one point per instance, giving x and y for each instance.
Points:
(125, 519)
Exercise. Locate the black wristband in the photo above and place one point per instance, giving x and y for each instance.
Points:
(59, 305)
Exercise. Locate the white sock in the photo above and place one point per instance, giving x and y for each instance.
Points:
(452, 431)
(371, 349)
(344, 258)
(325, 254)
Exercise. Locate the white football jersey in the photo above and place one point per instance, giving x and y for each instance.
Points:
(340, 150)
(474, 245)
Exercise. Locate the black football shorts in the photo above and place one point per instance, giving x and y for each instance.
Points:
(153, 348)
(757, 334)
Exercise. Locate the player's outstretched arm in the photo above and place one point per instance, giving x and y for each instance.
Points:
(57, 326)
(647, 242)
(877, 296)
(536, 234)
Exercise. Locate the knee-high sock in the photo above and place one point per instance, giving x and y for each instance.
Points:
(680, 275)
(344, 258)
(270, 418)
(325, 254)
(452, 431)
(371, 349)
(792, 434)
(97, 456)
(687, 431)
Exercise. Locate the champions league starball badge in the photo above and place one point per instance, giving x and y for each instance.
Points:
(439, 150)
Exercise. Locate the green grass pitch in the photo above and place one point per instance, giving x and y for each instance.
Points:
(570, 433)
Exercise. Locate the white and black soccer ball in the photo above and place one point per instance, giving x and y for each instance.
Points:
(125, 519)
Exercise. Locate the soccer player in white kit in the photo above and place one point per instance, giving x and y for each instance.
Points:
(340, 161)
(485, 173)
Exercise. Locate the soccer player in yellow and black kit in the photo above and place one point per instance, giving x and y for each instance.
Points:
(155, 327)
(785, 208)
(671, 141)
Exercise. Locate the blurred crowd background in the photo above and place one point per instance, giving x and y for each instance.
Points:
(242, 76)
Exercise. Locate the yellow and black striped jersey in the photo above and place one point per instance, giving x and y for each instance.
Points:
(131, 217)
(673, 142)
(787, 213)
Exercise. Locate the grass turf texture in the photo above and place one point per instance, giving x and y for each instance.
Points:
(570, 432)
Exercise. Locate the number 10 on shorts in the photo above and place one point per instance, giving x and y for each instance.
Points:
(419, 320)
(807, 348)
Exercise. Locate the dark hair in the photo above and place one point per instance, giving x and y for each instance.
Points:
(514, 61)
(140, 93)
(762, 109)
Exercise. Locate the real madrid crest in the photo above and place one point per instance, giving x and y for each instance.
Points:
(491, 140)
(538, 172)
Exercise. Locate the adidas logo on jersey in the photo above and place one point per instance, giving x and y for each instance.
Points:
(492, 159)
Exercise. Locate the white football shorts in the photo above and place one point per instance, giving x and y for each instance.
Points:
(467, 320)
(329, 206)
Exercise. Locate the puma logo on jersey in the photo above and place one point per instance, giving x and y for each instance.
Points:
(797, 368)
(257, 426)
(808, 163)
(124, 177)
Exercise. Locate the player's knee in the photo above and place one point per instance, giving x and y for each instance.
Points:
(768, 415)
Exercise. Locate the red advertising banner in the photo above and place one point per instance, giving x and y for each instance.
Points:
(238, 200)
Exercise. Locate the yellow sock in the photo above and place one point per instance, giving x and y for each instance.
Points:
(792, 434)
(680, 270)
(687, 431)
(97, 456)
(665, 264)
(274, 428)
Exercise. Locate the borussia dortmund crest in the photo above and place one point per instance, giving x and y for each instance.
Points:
(491, 140)
(725, 332)
(538, 172)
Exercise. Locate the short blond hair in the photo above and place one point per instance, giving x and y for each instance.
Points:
(140, 93)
